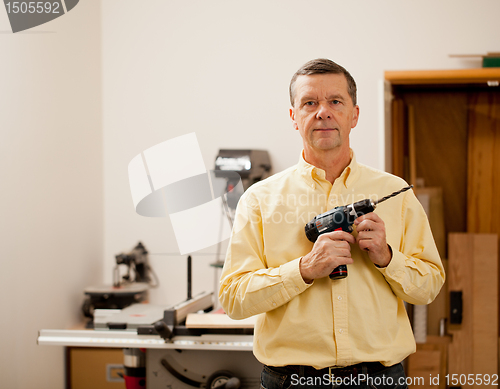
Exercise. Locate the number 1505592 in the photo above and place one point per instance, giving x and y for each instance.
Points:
(33, 7)
(471, 379)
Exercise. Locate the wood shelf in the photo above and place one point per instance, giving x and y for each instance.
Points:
(433, 77)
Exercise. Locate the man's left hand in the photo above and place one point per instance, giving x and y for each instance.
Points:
(372, 238)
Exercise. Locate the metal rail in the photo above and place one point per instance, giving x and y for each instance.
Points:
(125, 339)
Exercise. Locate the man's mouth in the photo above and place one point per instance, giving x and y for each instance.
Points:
(324, 129)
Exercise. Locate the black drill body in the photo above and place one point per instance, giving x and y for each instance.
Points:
(342, 218)
(339, 218)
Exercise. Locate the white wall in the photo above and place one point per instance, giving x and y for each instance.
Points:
(51, 197)
(221, 69)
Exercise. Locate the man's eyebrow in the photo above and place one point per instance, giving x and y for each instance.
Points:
(307, 98)
(336, 96)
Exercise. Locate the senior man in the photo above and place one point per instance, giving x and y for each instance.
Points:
(313, 331)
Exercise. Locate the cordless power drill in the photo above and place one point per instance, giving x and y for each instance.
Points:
(342, 218)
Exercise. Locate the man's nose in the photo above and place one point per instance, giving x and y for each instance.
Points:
(323, 112)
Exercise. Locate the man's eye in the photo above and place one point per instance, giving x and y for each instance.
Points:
(335, 102)
(309, 103)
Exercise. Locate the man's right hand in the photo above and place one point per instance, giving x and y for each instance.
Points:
(329, 251)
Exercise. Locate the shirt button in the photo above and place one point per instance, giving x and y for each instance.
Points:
(341, 331)
(274, 304)
(313, 186)
(340, 297)
(297, 288)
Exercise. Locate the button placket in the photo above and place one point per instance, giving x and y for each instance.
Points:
(340, 320)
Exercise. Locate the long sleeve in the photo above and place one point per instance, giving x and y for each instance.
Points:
(415, 273)
(248, 285)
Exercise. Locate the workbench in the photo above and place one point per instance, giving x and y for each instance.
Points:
(183, 361)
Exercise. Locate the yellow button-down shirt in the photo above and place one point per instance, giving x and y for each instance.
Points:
(360, 318)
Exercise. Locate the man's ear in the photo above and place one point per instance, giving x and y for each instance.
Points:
(355, 116)
(292, 116)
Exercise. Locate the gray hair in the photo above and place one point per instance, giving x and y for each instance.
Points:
(323, 66)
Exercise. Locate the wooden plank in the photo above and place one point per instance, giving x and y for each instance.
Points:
(432, 202)
(217, 320)
(483, 213)
(429, 363)
(484, 163)
(435, 214)
(411, 145)
(388, 98)
(88, 366)
(423, 365)
(473, 269)
(429, 77)
(460, 251)
(398, 138)
(485, 303)
(441, 147)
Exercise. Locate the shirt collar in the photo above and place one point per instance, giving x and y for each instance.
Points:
(311, 172)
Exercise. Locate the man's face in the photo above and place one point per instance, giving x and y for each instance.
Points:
(323, 112)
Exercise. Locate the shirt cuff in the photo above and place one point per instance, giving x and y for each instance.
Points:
(292, 279)
(395, 269)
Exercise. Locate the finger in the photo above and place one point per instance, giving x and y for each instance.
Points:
(340, 235)
(368, 234)
(342, 245)
(345, 245)
(326, 249)
(371, 242)
(370, 225)
(370, 245)
(369, 216)
(344, 253)
(363, 245)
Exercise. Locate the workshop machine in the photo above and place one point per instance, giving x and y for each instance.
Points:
(250, 165)
(185, 345)
(127, 289)
(210, 367)
(240, 168)
(180, 353)
(195, 360)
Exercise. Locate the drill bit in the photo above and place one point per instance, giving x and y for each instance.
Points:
(392, 194)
